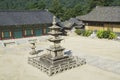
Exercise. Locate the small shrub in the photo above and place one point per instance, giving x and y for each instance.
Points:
(106, 34)
(87, 33)
(77, 31)
(83, 32)
(100, 34)
(112, 35)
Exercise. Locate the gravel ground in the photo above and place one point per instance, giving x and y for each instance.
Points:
(102, 56)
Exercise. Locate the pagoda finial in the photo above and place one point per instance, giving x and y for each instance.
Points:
(54, 20)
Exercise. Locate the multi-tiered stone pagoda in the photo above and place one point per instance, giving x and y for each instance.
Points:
(55, 61)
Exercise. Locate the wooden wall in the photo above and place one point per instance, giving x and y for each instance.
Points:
(94, 27)
(106, 26)
(23, 31)
(112, 27)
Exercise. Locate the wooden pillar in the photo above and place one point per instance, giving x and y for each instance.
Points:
(44, 30)
(34, 29)
(23, 32)
(86, 26)
(42, 27)
(0, 35)
(12, 33)
(32, 32)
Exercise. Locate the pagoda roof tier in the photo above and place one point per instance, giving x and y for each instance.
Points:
(55, 39)
(56, 48)
(58, 58)
(54, 27)
(55, 33)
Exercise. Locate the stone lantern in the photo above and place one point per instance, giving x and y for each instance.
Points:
(33, 48)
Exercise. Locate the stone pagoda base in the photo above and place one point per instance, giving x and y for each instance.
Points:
(53, 66)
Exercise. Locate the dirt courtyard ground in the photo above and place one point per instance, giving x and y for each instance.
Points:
(102, 56)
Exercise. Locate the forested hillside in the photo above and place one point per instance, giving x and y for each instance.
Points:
(64, 9)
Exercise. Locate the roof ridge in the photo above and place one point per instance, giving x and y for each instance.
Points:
(23, 10)
(107, 7)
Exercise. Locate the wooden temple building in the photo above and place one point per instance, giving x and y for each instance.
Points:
(21, 24)
(102, 18)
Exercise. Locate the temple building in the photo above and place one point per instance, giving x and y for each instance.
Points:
(21, 24)
(102, 18)
(72, 23)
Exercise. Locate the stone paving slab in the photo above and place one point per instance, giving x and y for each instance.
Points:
(105, 64)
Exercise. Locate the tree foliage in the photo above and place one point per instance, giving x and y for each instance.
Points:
(64, 9)
(56, 8)
(36, 5)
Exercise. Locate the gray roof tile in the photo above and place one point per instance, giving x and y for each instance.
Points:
(25, 17)
(102, 14)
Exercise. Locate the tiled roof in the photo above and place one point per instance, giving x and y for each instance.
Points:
(25, 17)
(72, 21)
(102, 14)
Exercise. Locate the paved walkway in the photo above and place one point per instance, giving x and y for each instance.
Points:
(102, 63)
(105, 64)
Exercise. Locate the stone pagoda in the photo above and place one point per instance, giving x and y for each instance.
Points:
(56, 51)
(55, 60)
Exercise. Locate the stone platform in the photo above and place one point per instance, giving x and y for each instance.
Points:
(53, 66)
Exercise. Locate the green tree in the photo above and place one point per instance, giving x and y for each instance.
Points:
(56, 8)
(108, 2)
(36, 5)
(99, 2)
(31, 5)
(64, 9)
(68, 14)
(90, 4)
(78, 10)
(115, 3)
(41, 5)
